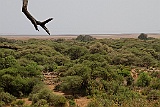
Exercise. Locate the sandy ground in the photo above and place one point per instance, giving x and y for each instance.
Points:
(97, 36)
(26, 37)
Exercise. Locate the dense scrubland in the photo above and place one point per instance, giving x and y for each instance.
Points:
(109, 72)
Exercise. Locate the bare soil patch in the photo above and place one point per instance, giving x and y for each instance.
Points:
(27, 102)
(80, 102)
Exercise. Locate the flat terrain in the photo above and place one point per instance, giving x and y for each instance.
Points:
(97, 36)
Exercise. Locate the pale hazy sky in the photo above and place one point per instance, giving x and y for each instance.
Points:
(82, 16)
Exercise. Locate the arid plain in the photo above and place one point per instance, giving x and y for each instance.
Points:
(97, 36)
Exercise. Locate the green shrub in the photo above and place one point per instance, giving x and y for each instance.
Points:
(2, 103)
(37, 88)
(41, 103)
(153, 95)
(72, 103)
(143, 79)
(124, 72)
(71, 84)
(34, 98)
(94, 103)
(18, 103)
(100, 102)
(57, 100)
(155, 83)
(6, 98)
(145, 91)
(52, 99)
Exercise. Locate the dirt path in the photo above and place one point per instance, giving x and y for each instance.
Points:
(80, 102)
(134, 74)
(27, 102)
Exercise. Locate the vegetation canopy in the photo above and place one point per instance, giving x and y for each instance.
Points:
(109, 72)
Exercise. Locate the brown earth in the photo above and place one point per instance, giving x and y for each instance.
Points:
(49, 81)
(49, 78)
(27, 102)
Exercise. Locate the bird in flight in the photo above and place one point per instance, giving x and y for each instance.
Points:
(33, 20)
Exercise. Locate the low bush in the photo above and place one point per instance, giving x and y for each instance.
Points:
(143, 80)
(72, 103)
(153, 95)
(41, 103)
(2, 103)
(6, 98)
(18, 103)
(45, 95)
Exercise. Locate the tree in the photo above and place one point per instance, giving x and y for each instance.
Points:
(85, 38)
(76, 52)
(71, 84)
(33, 20)
(44, 97)
(142, 36)
(96, 48)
